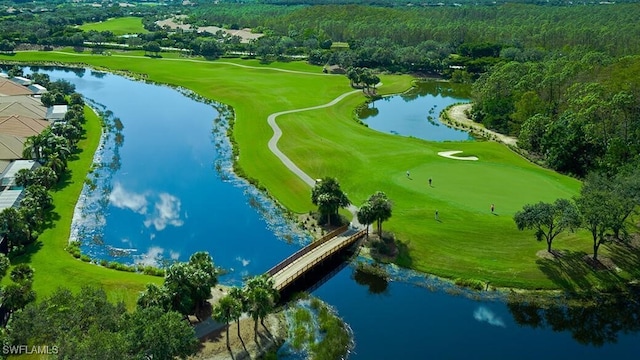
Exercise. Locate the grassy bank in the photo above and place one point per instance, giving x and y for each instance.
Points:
(468, 241)
(54, 266)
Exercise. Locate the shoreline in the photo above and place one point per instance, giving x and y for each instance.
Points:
(456, 116)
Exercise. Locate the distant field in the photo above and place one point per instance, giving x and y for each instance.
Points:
(468, 242)
(340, 45)
(119, 26)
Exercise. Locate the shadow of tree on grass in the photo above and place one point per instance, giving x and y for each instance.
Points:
(572, 272)
(626, 257)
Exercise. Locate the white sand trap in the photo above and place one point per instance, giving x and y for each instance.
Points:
(450, 155)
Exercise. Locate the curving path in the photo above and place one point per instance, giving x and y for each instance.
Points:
(277, 133)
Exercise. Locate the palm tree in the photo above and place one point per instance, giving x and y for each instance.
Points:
(381, 206)
(24, 177)
(366, 216)
(44, 176)
(14, 227)
(328, 196)
(262, 299)
(56, 164)
(22, 273)
(226, 311)
(33, 147)
(241, 296)
(54, 144)
(34, 206)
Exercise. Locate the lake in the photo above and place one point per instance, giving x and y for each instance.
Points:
(416, 112)
(166, 191)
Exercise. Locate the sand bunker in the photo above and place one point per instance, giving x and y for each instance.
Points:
(450, 155)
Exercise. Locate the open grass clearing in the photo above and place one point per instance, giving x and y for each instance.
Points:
(467, 242)
(118, 26)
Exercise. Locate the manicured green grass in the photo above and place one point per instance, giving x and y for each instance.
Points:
(469, 242)
(118, 26)
(54, 266)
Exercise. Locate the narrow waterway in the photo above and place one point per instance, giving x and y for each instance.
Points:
(166, 191)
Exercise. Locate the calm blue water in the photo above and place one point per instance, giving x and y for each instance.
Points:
(167, 200)
(416, 112)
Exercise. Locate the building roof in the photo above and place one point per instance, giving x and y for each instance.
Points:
(11, 147)
(10, 172)
(8, 87)
(37, 89)
(56, 112)
(10, 198)
(27, 100)
(22, 80)
(23, 126)
(23, 107)
(4, 164)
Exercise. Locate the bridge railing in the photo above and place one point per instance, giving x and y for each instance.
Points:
(351, 239)
(296, 255)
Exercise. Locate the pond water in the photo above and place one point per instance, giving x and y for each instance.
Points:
(170, 192)
(417, 112)
(166, 192)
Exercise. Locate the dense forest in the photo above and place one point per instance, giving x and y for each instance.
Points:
(561, 76)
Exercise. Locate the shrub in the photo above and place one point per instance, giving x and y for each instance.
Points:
(74, 249)
(471, 283)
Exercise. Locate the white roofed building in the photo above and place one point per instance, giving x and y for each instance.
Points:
(56, 112)
(22, 80)
(37, 89)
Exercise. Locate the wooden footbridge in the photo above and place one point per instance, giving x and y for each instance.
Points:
(296, 265)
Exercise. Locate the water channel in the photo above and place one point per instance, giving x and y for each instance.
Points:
(170, 193)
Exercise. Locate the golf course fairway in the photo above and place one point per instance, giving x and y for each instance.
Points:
(467, 241)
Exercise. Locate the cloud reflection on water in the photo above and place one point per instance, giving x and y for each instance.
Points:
(124, 199)
(483, 314)
(166, 210)
(152, 257)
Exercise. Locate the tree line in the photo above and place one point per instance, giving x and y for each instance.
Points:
(604, 209)
(576, 113)
(402, 38)
(86, 325)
